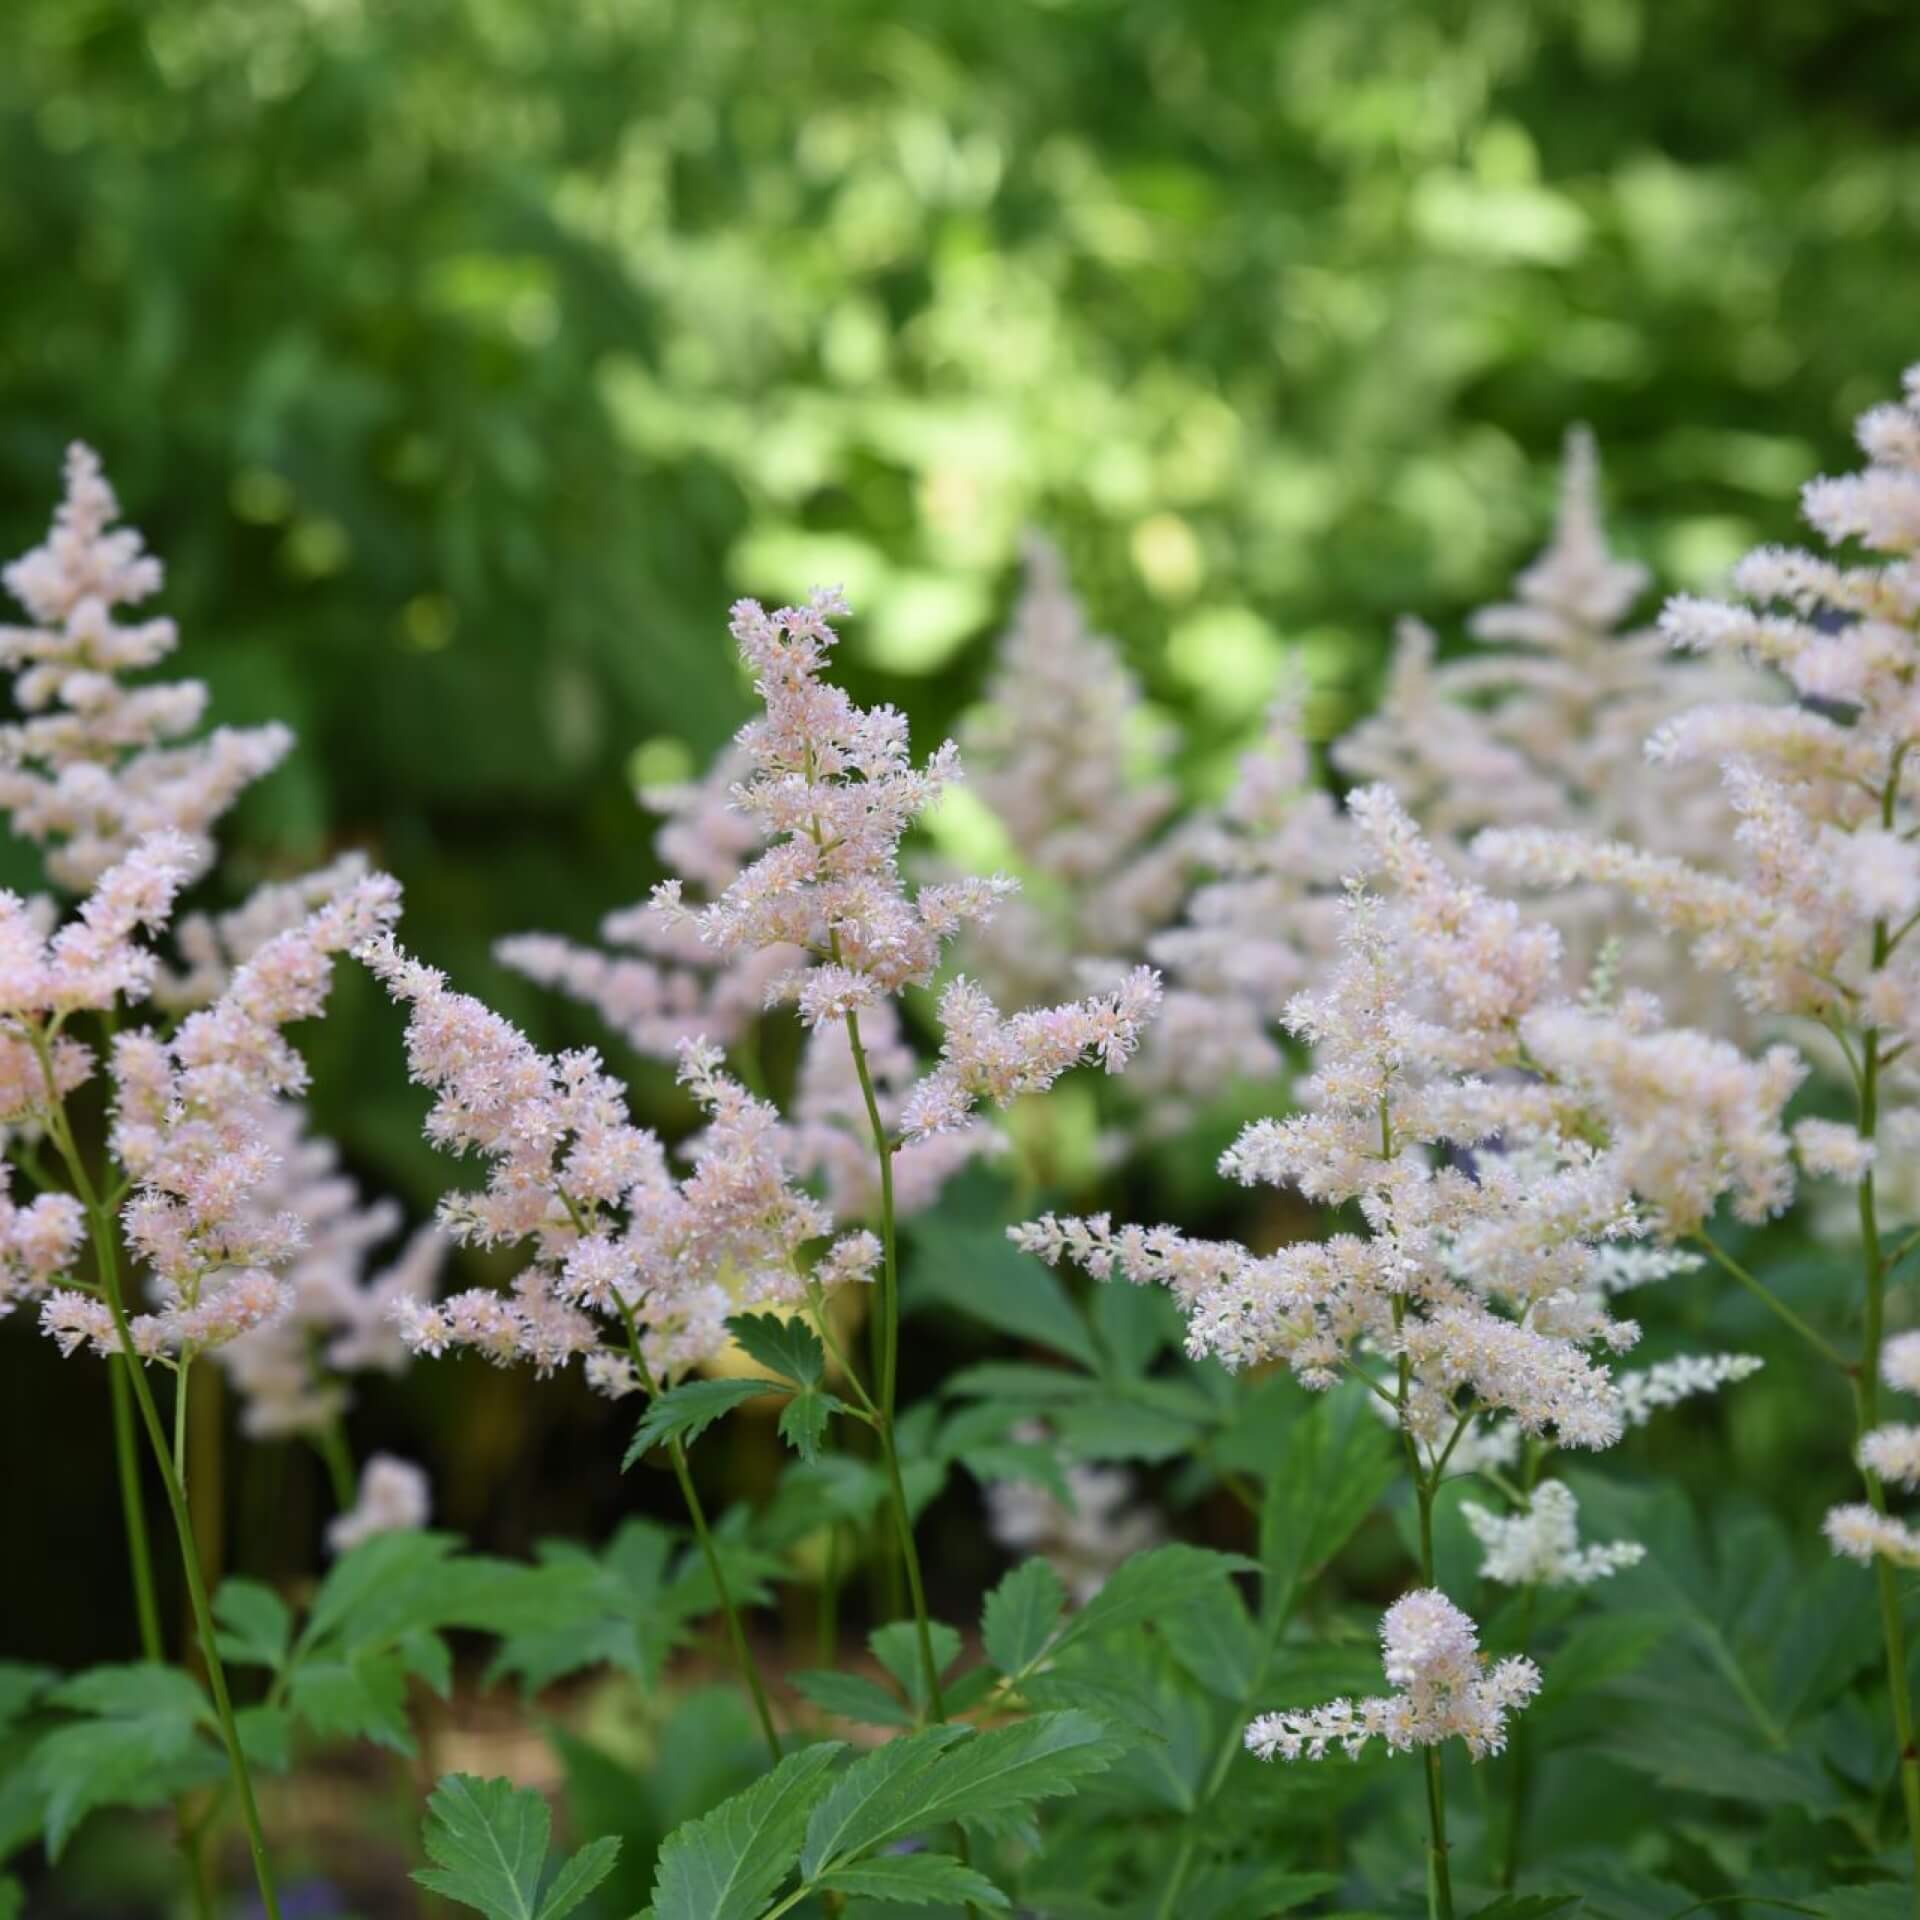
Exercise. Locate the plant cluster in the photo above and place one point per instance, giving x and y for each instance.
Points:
(1530, 1037)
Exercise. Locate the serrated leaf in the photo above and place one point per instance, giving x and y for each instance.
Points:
(1113, 1428)
(1021, 1614)
(1243, 1891)
(726, 1864)
(803, 1420)
(256, 1624)
(375, 1583)
(266, 1736)
(940, 1775)
(1213, 1638)
(789, 1348)
(853, 1697)
(916, 1880)
(1152, 1586)
(1019, 1383)
(1036, 1463)
(897, 1647)
(685, 1412)
(980, 1273)
(143, 1741)
(21, 1685)
(364, 1698)
(488, 1839)
(138, 1690)
(1337, 1464)
(870, 1793)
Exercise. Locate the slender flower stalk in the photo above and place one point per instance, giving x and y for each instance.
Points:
(743, 1656)
(103, 1234)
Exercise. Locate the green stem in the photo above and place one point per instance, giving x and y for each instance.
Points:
(1866, 1388)
(126, 1457)
(1439, 1872)
(182, 1379)
(1762, 1292)
(1277, 1611)
(736, 1633)
(331, 1445)
(887, 1357)
(886, 1342)
(202, 1614)
(1518, 1758)
(101, 1224)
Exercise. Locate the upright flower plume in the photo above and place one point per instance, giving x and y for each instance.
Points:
(194, 1120)
(1062, 752)
(1263, 919)
(97, 765)
(1544, 725)
(1491, 1211)
(834, 789)
(1444, 1688)
(661, 985)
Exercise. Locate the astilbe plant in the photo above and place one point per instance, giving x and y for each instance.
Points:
(1499, 1140)
(184, 1220)
(1813, 921)
(1494, 1193)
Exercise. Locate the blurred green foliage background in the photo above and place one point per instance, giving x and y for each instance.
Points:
(464, 358)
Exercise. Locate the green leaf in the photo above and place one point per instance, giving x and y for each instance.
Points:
(377, 1588)
(1526, 1906)
(13, 1898)
(488, 1839)
(266, 1736)
(789, 1348)
(868, 1796)
(803, 1420)
(1243, 1891)
(916, 1880)
(137, 1691)
(1019, 1383)
(1153, 1586)
(726, 1865)
(1338, 1462)
(685, 1412)
(897, 1647)
(1039, 1463)
(979, 1272)
(942, 1774)
(143, 1742)
(364, 1698)
(20, 1686)
(1213, 1638)
(1021, 1614)
(853, 1697)
(257, 1624)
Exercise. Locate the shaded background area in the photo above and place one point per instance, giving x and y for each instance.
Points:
(465, 358)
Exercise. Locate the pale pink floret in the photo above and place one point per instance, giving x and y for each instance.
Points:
(394, 1496)
(96, 766)
(611, 1232)
(1444, 1689)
